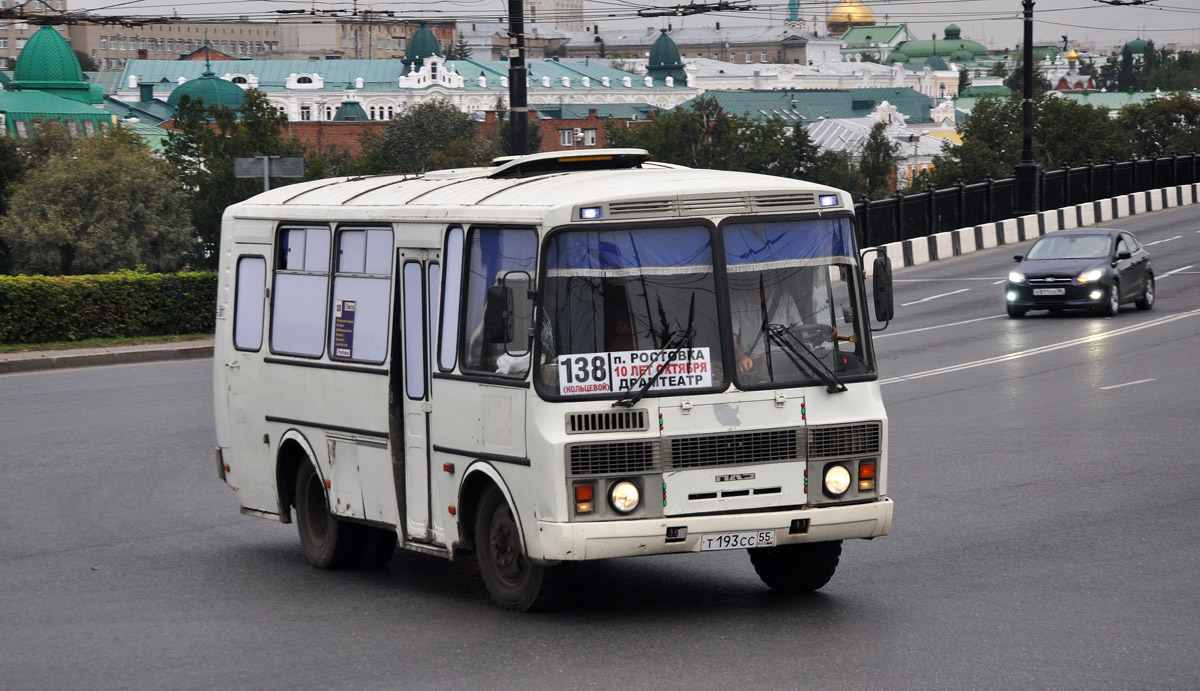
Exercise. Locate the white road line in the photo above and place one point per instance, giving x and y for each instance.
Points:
(1179, 270)
(943, 280)
(934, 297)
(939, 326)
(1147, 244)
(1041, 349)
(1128, 383)
(1003, 280)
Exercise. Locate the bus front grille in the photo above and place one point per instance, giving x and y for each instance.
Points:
(736, 448)
(607, 421)
(614, 458)
(836, 441)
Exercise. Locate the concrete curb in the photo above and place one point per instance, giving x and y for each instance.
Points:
(1013, 230)
(63, 359)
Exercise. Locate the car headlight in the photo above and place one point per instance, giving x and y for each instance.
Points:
(1090, 275)
(624, 496)
(1016, 277)
(837, 480)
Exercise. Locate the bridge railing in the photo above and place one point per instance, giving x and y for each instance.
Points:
(908, 216)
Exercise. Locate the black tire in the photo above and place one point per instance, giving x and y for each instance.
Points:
(513, 581)
(800, 568)
(1016, 312)
(1113, 304)
(1147, 301)
(378, 546)
(328, 543)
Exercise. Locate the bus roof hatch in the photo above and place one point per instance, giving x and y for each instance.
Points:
(569, 161)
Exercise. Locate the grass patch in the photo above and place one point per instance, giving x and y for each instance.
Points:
(98, 343)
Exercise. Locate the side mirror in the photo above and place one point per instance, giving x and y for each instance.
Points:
(497, 315)
(1123, 254)
(1018, 257)
(881, 280)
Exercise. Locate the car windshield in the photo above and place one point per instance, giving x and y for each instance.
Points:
(618, 306)
(1071, 247)
(794, 311)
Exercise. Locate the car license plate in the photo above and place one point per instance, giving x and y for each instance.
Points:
(1049, 291)
(743, 540)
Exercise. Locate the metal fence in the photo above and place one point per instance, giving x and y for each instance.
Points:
(904, 217)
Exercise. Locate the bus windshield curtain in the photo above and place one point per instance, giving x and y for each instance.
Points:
(760, 243)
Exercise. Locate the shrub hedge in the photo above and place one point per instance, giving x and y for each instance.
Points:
(42, 309)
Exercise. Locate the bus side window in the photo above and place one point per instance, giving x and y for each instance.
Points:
(493, 253)
(361, 295)
(300, 298)
(451, 291)
(249, 303)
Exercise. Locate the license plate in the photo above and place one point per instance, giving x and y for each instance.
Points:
(743, 540)
(1049, 291)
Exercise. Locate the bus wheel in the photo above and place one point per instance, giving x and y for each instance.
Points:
(328, 543)
(800, 568)
(511, 579)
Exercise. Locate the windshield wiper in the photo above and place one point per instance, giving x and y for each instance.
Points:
(687, 336)
(788, 341)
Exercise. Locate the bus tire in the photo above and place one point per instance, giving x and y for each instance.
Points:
(800, 568)
(328, 543)
(513, 581)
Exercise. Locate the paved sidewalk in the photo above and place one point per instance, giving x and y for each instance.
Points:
(34, 361)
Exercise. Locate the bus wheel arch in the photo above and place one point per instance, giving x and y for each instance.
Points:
(478, 478)
(294, 450)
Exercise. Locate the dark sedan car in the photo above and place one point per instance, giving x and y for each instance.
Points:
(1094, 269)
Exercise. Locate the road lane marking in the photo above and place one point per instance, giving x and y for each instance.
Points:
(1179, 270)
(1147, 244)
(934, 297)
(1128, 383)
(1041, 349)
(939, 326)
(942, 280)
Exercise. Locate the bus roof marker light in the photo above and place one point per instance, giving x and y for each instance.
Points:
(590, 213)
(828, 200)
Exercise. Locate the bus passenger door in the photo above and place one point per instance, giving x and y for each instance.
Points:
(420, 274)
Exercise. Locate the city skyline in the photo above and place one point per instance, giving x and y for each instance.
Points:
(995, 23)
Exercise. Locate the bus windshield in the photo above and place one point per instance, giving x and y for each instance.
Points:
(618, 306)
(794, 309)
(632, 311)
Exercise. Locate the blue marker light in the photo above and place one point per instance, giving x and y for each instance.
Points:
(589, 213)
(828, 200)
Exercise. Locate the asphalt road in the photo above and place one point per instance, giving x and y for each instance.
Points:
(1045, 535)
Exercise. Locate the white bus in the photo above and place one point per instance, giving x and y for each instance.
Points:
(558, 358)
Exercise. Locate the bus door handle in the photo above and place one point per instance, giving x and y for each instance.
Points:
(236, 364)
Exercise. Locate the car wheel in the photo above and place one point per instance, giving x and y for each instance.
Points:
(513, 581)
(1114, 299)
(800, 568)
(1016, 312)
(1147, 301)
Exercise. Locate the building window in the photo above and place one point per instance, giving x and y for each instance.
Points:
(304, 80)
(589, 137)
(749, 58)
(328, 113)
(239, 80)
(566, 138)
(170, 45)
(103, 43)
(305, 113)
(764, 56)
(142, 44)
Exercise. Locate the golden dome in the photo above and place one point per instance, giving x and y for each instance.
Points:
(846, 14)
(1072, 56)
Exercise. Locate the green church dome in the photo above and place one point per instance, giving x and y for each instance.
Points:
(47, 57)
(423, 44)
(210, 89)
(665, 61)
(1138, 46)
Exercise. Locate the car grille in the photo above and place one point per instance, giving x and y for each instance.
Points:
(725, 449)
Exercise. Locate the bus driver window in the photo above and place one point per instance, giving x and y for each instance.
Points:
(500, 261)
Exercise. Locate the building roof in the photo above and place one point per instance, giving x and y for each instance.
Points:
(209, 89)
(809, 105)
(47, 57)
(704, 36)
(664, 59)
(350, 111)
(422, 44)
(867, 36)
(27, 106)
(850, 134)
(150, 112)
(580, 111)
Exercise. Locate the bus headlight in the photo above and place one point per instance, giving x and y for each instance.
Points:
(837, 480)
(624, 496)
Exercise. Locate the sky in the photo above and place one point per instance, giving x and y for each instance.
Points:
(994, 23)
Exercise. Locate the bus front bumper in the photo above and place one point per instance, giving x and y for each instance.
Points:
(606, 539)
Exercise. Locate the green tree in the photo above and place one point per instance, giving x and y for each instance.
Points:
(104, 204)
(206, 140)
(878, 163)
(1016, 79)
(1161, 125)
(964, 79)
(86, 63)
(410, 140)
(1067, 132)
(1126, 70)
(699, 134)
(12, 169)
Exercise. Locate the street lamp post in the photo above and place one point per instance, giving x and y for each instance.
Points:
(1026, 171)
(518, 104)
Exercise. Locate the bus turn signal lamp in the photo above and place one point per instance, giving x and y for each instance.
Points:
(584, 498)
(866, 476)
